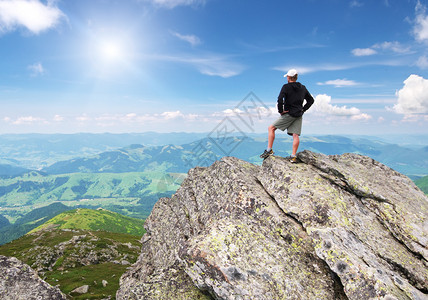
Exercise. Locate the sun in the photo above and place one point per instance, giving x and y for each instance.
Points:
(111, 51)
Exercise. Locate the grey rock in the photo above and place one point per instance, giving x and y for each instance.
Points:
(81, 289)
(18, 281)
(331, 227)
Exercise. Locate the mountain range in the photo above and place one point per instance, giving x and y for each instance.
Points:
(180, 158)
(22, 152)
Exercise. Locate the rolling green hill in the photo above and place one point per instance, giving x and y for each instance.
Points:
(89, 219)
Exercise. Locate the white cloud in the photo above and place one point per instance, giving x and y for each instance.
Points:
(422, 62)
(173, 3)
(363, 51)
(323, 106)
(395, 47)
(191, 39)
(339, 82)
(359, 117)
(28, 120)
(255, 112)
(420, 29)
(171, 114)
(413, 97)
(58, 118)
(36, 69)
(83, 118)
(31, 14)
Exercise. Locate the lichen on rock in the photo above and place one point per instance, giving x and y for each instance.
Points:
(19, 281)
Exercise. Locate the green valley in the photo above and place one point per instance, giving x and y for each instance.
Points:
(132, 193)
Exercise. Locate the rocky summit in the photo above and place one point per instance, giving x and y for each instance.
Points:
(329, 227)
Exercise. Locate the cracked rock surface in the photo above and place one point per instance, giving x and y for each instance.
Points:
(330, 227)
(19, 281)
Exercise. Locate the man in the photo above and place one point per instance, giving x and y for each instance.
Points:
(291, 109)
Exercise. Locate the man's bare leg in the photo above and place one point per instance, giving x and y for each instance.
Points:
(271, 136)
(296, 142)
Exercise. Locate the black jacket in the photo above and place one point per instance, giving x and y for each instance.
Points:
(291, 99)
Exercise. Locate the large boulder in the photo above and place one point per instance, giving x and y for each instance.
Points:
(329, 227)
(19, 282)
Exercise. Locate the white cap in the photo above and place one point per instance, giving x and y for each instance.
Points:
(291, 73)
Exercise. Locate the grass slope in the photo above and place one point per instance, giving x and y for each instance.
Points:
(81, 247)
(68, 265)
(89, 219)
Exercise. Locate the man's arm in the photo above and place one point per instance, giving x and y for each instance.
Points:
(281, 100)
(309, 101)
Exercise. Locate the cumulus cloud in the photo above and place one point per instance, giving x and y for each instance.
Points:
(413, 97)
(36, 69)
(30, 14)
(173, 3)
(191, 39)
(339, 82)
(420, 30)
(323, 106)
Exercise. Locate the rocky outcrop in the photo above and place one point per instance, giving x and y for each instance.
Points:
(84, 248)
(330, 227)
(19, 281)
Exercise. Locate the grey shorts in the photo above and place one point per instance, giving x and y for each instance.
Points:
(292, 124)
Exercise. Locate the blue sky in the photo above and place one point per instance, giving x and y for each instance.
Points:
(189, 65)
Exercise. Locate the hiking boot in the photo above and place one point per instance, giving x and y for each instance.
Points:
(266, 154)
(293, 159)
